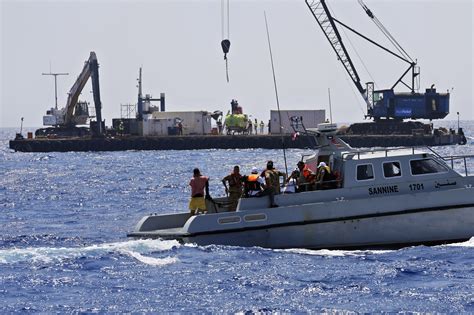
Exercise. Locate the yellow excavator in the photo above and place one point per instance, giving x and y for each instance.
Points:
(68, 121)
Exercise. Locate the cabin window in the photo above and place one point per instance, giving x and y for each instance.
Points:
(391, 169)
(426, 166)
(365, 172)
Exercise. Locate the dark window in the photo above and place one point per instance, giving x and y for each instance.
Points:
(365, 172)
(426, 166)
(392, 169)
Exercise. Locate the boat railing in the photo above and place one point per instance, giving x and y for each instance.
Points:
(358, 153)
(462, 158)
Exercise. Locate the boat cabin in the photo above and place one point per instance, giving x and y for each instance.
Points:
(362, 174)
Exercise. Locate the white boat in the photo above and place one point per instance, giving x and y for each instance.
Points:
(384, 199)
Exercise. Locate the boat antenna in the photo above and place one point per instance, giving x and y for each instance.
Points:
(55, 74)
(276, 93)
(330, 106)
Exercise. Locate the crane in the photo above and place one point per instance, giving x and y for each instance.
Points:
(385, 104)
(65, 120)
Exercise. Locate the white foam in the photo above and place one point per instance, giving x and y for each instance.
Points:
(334, 253)
(469, 243)
(50, 254)
(152, 260)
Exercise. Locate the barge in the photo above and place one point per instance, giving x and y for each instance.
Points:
(198, 142)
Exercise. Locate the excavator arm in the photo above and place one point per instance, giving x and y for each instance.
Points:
(91, 69)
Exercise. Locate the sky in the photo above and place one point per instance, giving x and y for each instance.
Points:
(178, 45)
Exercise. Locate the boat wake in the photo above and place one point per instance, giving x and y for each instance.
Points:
(136, 249)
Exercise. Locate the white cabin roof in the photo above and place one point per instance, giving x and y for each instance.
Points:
(373, 154)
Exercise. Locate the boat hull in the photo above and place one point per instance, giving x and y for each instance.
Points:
(323, 220)
(389, 231)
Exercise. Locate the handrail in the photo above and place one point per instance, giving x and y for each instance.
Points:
(358, 152)
(458, 157)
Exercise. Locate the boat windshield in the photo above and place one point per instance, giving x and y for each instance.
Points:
(426, 166)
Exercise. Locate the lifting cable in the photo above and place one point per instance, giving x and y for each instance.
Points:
(356, 52)
(225, 43)
(384, 31)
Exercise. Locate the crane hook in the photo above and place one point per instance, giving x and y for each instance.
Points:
(225, 44)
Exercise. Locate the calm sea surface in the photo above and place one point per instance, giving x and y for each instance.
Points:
(63, 245)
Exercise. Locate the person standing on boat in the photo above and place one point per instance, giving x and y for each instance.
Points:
(262, 125)
(234, 191)
(305, 177)
(253, 184)
(272, 182)
(323, 175)
(255, 125)
(198, 184)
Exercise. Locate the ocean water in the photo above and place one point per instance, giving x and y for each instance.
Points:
(63, 245)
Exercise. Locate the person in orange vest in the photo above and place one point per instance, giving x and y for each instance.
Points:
(198, 184)
(234, 191)
(253, 184)
(304, 177)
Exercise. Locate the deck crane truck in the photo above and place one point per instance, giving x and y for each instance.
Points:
(387, 107)
(65, 121)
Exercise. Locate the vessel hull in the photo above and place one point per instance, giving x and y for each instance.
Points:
(390, 231)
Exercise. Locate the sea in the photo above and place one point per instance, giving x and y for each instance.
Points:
(64, 219)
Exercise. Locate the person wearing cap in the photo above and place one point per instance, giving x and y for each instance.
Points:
(198, 184)
(323, 174)
(253, 184)
(272, 182)
(234, 191)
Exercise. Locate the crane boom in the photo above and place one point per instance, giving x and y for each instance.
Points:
(325, 20)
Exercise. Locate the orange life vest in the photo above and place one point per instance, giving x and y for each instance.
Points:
(252, 182)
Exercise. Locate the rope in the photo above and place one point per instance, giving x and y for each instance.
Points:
(355, 50)
(228, 19)
(226, 70)
(222, 18)
(385, 31)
